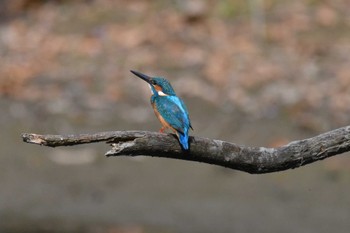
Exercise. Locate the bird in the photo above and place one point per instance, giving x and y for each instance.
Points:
(170, 110)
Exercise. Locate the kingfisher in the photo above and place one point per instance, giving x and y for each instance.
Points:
(169, 109)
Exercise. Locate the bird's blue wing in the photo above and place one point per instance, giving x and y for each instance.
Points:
(187, 115)
(173, 111)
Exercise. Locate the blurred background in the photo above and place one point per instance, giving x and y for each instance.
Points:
(256, 72)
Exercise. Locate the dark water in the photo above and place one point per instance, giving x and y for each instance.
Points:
(77, 189)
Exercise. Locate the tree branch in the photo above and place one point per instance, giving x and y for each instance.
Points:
(249, 159)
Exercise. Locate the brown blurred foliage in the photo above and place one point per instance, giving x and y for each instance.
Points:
(261, 57)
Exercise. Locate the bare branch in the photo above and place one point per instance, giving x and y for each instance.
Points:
(239, 157)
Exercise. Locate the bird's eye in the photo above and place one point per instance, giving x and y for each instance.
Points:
(153, 82)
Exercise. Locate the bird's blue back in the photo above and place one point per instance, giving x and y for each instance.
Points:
(174, 111)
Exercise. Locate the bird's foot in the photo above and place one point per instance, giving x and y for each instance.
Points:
(162, 130)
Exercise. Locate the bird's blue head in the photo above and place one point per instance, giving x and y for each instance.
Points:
(159, 86)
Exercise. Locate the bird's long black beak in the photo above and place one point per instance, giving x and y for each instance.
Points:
(142, 76)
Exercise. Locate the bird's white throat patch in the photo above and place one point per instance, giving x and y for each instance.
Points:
(162, 93)
(150, 88)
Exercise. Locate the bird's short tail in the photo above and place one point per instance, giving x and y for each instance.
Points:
(183, 138)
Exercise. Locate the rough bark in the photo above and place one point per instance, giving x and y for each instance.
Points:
(249, 159)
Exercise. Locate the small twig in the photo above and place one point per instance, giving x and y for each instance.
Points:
(248, 159)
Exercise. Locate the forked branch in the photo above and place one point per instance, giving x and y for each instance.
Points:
(239, 157)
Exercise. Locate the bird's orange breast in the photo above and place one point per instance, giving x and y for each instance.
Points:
(164, 123)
